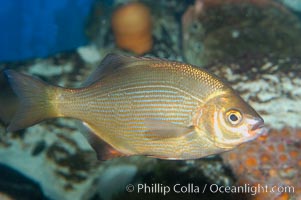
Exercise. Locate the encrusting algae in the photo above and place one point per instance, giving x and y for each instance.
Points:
(273, 161)
(144, 106)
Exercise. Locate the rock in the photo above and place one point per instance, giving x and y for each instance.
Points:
(58, 159)
(236, 31)
(14, 185)
(292, 4)
(114, 179)
(89, 54)
(273, 89)
(273, 161)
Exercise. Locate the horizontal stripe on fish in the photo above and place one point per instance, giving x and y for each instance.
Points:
(145, 108)
(137, 122)
(148, 88)
(138, 105)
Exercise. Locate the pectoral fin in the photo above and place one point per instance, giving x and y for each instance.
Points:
(158, 129)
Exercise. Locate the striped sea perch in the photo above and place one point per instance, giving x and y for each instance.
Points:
(144, 106)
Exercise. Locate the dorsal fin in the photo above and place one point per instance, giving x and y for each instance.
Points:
(110, 63)
(114, 61)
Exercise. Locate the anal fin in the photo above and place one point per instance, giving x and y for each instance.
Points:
(104, 151)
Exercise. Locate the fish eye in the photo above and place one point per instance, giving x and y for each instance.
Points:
(234, 117)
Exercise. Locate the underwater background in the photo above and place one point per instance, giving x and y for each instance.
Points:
(253, 44)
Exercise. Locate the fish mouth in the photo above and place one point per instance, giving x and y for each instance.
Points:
(258, 127)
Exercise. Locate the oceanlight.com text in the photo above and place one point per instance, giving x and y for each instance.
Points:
(190, 188)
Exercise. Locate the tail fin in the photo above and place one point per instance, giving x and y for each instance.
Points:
(33, 95)
(8, 100)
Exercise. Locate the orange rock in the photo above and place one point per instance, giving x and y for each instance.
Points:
(285, 132)
(273, 173)
(298, 134)
(251, 162)
(283, 196)
(265, 158)
(293, 154)
(281, 147)
(261, 196)
(299, 163)
(263, 137)
(271, 147)
(274, 161)
(232, 156)
(241, 169)
(257, 174)
(132, 27)
(283, 158)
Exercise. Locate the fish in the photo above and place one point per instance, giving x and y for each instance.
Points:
(143, 106)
